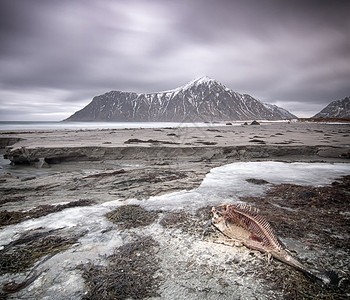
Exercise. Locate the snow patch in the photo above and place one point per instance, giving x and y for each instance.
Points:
(192, 83)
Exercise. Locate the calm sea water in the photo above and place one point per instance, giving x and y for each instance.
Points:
(31, 125)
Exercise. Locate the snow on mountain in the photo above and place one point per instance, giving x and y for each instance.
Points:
(283, 112)
(195, 82)
(203, 99)
(336, 109)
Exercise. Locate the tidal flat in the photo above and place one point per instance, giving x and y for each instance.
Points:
(121, 213)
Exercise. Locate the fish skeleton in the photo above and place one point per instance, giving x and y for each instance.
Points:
(244, 225)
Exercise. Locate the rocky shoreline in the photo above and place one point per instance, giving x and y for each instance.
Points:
(103, 178)
(234, 143)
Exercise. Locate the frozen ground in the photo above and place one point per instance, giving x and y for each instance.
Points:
(190, 266)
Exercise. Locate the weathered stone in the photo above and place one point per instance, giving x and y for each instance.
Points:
(41, 163)
(334, 152)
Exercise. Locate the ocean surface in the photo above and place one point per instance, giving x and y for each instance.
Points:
(37, 125)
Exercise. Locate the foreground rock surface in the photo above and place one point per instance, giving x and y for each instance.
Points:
(133, 253)
(78, 229)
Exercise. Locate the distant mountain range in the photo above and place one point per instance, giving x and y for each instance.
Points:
(336, 109)
(201, 100)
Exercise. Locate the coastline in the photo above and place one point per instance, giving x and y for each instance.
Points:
(187, 154)
(266, 141)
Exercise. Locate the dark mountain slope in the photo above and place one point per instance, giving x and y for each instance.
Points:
(203, 99)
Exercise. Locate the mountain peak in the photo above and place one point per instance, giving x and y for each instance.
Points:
(203, 79)
(196, 82)
(336, 109)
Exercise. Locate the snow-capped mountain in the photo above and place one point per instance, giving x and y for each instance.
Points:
(336, 109)
(203, 99)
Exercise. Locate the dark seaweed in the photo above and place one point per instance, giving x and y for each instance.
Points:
(130, 273)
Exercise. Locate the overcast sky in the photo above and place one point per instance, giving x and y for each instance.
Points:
(56, 55)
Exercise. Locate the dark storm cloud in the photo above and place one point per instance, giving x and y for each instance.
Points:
(292, 53)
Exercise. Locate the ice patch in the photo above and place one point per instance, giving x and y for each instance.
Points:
(60, 278)
(88, 217)
(228, 183)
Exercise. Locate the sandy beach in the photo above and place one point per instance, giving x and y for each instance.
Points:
(94, 174)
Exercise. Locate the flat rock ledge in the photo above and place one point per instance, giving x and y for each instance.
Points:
(41, 156)
(270, 141)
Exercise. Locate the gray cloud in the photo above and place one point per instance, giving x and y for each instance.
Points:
(56, 55)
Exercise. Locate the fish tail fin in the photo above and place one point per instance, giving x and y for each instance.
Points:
(326, 278)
